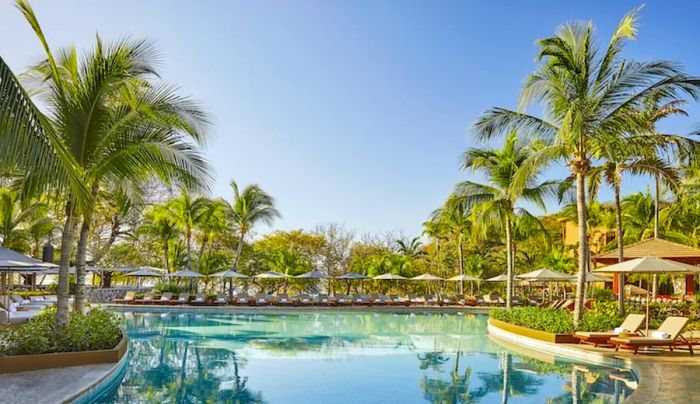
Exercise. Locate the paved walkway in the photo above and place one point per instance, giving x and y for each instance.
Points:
(50, 385)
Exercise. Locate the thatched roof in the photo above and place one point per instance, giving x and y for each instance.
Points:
(654, 247)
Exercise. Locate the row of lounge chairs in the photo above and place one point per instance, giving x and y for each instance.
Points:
(15, 309)
(167, 298)
(629, 336)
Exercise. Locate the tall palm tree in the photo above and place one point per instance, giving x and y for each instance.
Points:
(412, 248)
(160, 225)
(17, 218)
(117, 122)
(187, 212)
(512, 179)
(589, 97)
(212, 224)
(455, 216)
(436, 229)
(250, 206)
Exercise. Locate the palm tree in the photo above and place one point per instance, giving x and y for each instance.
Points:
(160, 225)
(250, 206)
(17, 218)
(436, 229)
(117, 123)
(187, 214)
(589, 97)
(455, 216)
(412, 248)
(212, 224)
(512, 178)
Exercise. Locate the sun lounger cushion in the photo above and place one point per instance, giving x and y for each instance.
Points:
(619, 330)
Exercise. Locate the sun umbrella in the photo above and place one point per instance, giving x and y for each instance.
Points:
(145, 273)
(389, 277)
(313, 275)
(11, 261)
(591, 277)
(633, 290)
(270, 275)
(352, 276)
(466, 278)
(231, 274)
(649, 265)
(427, 277)
(545, 275)
(498, 278)
(185, 273)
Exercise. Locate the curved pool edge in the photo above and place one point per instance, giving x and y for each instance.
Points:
(648, 377)
(104, 384)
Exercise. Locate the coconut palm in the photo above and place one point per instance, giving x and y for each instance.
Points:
(589, 97)
(160, 225)
(250, 206)
(412, 248)
(187, 212)
(17, 218)
(436, 229)
(211, 225)
(511, 179)
(118, 123)
(455, 217)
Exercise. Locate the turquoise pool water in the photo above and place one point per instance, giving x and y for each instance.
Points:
(343, 357)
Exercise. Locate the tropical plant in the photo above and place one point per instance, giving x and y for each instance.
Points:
(160, 225)
(512, 178)
(187, 213)
(589, 99)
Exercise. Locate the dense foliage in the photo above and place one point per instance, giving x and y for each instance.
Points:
(94, 330)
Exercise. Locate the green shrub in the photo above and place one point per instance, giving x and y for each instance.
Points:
(555, 321)
(94, 330)
(172, 287)
(602, 294)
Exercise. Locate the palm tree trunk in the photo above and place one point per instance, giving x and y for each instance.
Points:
(509, 262)
(461, 263)
(620, 251)
(657, 199)
(505, 394)
(80, 262)
(188, 236)
(582, 244)
(239, 251)
(62, 291)
(165, 255)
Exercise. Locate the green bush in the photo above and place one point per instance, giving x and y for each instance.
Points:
(556, 321)
(602, 294)
(95, 330)
(172, 287)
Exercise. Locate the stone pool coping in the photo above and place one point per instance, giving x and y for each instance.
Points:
(661, 379)
(258, 309)
(74, 384)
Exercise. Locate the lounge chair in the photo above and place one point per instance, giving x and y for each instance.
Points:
(344, 300)
(432, 300)
(489, 301)
(129, 297)
(182, 298)
(446, 301)
(568, 304)
(324, 300)
(164, 298)
(14, 316)
(671, 337)
(415, 300)
(147, 299)
(361, 300)
(221, 299)
(379, 300)
(284, 300)
(305, 300)
(18, 301)
(263, 300)
(631, 324)
(242, 300)
(34, 300)
(199, 300)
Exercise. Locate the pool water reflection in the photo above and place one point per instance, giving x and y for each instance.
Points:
(343, 357)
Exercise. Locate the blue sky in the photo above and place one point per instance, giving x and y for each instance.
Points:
(356, 111)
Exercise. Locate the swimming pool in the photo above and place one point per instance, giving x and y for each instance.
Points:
(342, 357)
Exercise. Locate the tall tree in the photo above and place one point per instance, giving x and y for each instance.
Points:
(187, 212)
(160, 225)
(588, 96)
(117, 122)
(251, 206)
(512, 178)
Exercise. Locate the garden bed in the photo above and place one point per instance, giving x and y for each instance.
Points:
(532, 333)
(22, 363)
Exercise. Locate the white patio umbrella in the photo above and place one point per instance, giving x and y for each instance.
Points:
(270, 275)
(545, 275)
(352, 276)
(591, 277)
(465, 278)
(12, 261)
(649, 265)
(427, 277)
(498, 278)
(185, 273)
(231, 275)
(313, 275)
(389, 277)
(145, 273)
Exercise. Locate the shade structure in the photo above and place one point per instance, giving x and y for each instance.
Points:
(465, 278)
(185, 273)
(634, 290)
(229, 273)
(121, 269)
(313, 275)
(427, 277)
(351, 276)
(145, 273)
(545, 275)
(498, 278)
(591, 277)
(270, 275)
(389, 277)
(11, 260)
(650, 265)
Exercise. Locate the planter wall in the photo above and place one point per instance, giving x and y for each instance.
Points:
(535, 334)
(23, 363)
